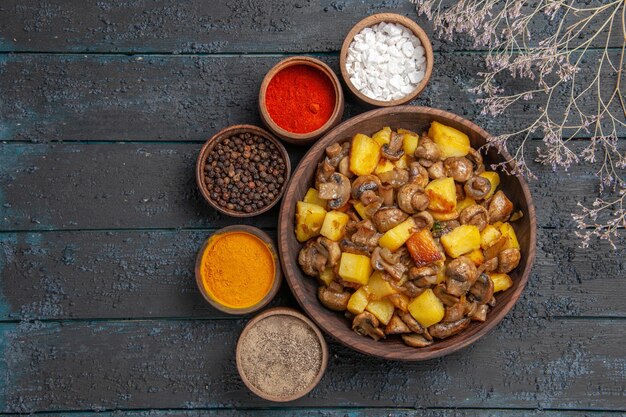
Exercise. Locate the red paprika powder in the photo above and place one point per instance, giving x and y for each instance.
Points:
(300, 98)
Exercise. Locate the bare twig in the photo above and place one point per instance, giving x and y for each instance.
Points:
(553, 63)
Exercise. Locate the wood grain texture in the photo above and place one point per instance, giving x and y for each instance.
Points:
(224, 26)
(347, 412)
(533, 363)
(92, 275)
(183, 98)
(154, 187)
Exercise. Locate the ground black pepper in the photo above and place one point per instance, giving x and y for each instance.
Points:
(281, 356)
(244, 173)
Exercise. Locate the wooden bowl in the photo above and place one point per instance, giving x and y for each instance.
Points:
(277, 270)
(277, 311)
(304, 288)
(389, 18)
(301, 138)
(207, 148)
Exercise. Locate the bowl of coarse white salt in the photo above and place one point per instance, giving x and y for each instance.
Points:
(386, 60)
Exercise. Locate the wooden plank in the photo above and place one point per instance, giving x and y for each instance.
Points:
(345, 412)
(562, 364)
(188, 98)
(113, 186)
(95, 275)
(101, 274)
(196, 26)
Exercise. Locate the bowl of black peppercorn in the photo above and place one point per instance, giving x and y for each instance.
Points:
(242, 171)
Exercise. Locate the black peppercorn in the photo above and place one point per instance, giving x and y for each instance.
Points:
(245, 173)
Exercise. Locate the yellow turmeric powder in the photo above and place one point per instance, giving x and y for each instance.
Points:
(237, 269)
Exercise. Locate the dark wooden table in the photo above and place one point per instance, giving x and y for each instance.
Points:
(103, 108)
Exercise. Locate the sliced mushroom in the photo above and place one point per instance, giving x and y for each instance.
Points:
(411, 198)
(459, 168)
(396, 177)
(489, 265)
(336, 301)
(423, 220)
(311, 260)
(454, 313)
(500, 207)
(330, 250)
(481, 313)
(494, 249)
(460, 192)
(365, 234)
(476, 215)
(441, 228)
(364, 183)
(337, 152)
(508, 260)
(396, 326)
(351, 247)
(444, 330)
(344, 167)
(416, 340)
(411, 323)
(436, 170)
(387, 218)
(379, 263)
(418, 174)
(482, 290)
(462, 269)
(411, 290)
(427, 149)
(392, 257)
(393, 150)
(399, 301)
(387, 194)
(336, 190)
(471, 308)
(446, 298)
(424, 276)
(333, 150)
(368, 197)
(477, 160)
(477, 187)
(323, 173)
(461, 274)
(366, 324)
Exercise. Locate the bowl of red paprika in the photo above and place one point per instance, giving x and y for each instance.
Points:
(300, 99)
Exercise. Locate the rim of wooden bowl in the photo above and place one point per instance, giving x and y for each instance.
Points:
(389, 18)
(336, 325)
(265, 238)
(302, 138)
(223, 134)
(282, 311)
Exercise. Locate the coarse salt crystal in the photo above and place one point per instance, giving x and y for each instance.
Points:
(385, 61)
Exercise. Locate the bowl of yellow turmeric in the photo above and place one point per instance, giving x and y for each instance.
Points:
(237, 269)
(403, 237)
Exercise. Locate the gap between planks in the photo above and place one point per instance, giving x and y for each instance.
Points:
(118, 320)
(188, 229)
(168, 142)
(279, 410)
(237, 54)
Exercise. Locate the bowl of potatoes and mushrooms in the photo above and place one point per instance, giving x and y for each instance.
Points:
(400, 239)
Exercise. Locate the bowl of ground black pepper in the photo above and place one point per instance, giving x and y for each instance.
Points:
(281, 355)
(242, 171)
(300, 99)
